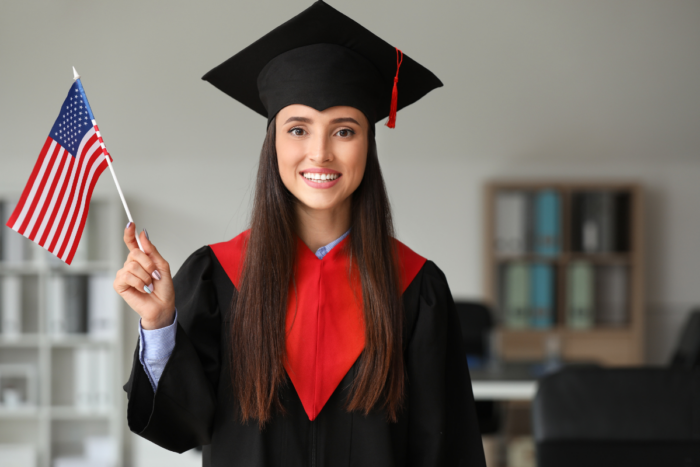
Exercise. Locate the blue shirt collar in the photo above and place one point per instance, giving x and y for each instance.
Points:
(323, 251)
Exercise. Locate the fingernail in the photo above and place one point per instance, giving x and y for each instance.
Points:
(128, 225)
(156, 275)
(148, 288)
(146, 232)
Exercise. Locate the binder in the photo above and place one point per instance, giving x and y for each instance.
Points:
(623, 222)
(11, 309)
(592, 235)
(102, 308)
(547, 230)
(103, 375)
(542, 280)
(76, 303)
(511, 222)
(577, 200)
(607, 222)
(517, 295)
(580, 291)
(83, 385)
(14, 245)
(56, 305)
(611, 284)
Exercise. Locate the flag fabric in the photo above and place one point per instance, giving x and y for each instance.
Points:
(54, 205)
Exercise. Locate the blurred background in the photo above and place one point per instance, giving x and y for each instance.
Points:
(554, 179)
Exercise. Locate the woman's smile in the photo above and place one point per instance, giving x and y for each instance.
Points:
(320, 178)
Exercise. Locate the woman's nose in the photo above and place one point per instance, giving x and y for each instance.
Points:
(320, 149)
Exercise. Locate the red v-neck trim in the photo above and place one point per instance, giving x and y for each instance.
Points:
(325, 318)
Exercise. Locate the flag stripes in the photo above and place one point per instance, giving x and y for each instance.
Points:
(54, 205)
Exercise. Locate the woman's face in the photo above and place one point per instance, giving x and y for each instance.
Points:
(321, 155)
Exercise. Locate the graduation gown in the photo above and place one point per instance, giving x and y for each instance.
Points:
(194, 405)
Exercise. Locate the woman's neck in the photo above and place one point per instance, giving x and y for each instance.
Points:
(318, 228)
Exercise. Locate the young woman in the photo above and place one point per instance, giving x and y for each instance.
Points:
(314, 337)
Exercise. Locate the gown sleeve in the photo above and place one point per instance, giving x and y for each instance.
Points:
(178, 415)
(442, 425)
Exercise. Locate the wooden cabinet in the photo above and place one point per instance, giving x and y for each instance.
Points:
(595, 262)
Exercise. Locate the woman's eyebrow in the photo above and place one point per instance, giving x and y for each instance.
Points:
(335, 120)
(345, 120)
(298, 119)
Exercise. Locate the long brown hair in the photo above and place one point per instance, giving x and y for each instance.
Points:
(260, 307)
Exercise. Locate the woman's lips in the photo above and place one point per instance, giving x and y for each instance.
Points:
(320, 178)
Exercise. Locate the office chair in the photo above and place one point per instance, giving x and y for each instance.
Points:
(629, 417)
(476, 323)
(687, 354)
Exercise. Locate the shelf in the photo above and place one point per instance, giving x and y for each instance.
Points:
(565, 258)
(79, 341)
(55, 425)
(82, 268)
(36, 267)
(564, 331)
(24, 268)
(71, 413)
(19, 413)
(609, 281)
(529, 258)
(602, 258)
(22, 340)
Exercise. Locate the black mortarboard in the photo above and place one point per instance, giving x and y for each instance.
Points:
(322, 58)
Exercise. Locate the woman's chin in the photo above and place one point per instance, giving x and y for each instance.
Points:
(320, 203)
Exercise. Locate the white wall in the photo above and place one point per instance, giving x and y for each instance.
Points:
(532, 88)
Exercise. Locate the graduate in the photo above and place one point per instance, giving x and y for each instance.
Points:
(314, 338)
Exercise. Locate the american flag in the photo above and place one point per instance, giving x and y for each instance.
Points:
(54, 205)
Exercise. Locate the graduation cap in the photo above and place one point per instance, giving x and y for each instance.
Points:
(321, 58)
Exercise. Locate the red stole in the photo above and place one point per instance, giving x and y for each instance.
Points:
(325, 325)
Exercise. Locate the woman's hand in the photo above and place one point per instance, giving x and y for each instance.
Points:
(145, 282)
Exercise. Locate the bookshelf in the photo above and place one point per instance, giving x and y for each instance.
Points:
(56, 321)
(585, 241)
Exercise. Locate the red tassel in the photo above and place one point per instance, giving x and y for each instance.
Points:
(394, 92)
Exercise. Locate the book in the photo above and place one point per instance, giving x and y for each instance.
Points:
(542, 285)
(517, 295)
(511, 222)
(102, 307)
(580, 295)
(611, 290)
(547, 215)
(76, 303)
(11, 306)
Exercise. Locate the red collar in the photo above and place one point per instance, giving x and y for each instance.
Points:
(325, 326)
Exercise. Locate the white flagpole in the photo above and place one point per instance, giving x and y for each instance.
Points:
(111, 169)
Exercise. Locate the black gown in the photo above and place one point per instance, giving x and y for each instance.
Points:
(194, 404)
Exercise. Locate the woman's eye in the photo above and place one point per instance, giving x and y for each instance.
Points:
(345, 132)
(297, 131)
